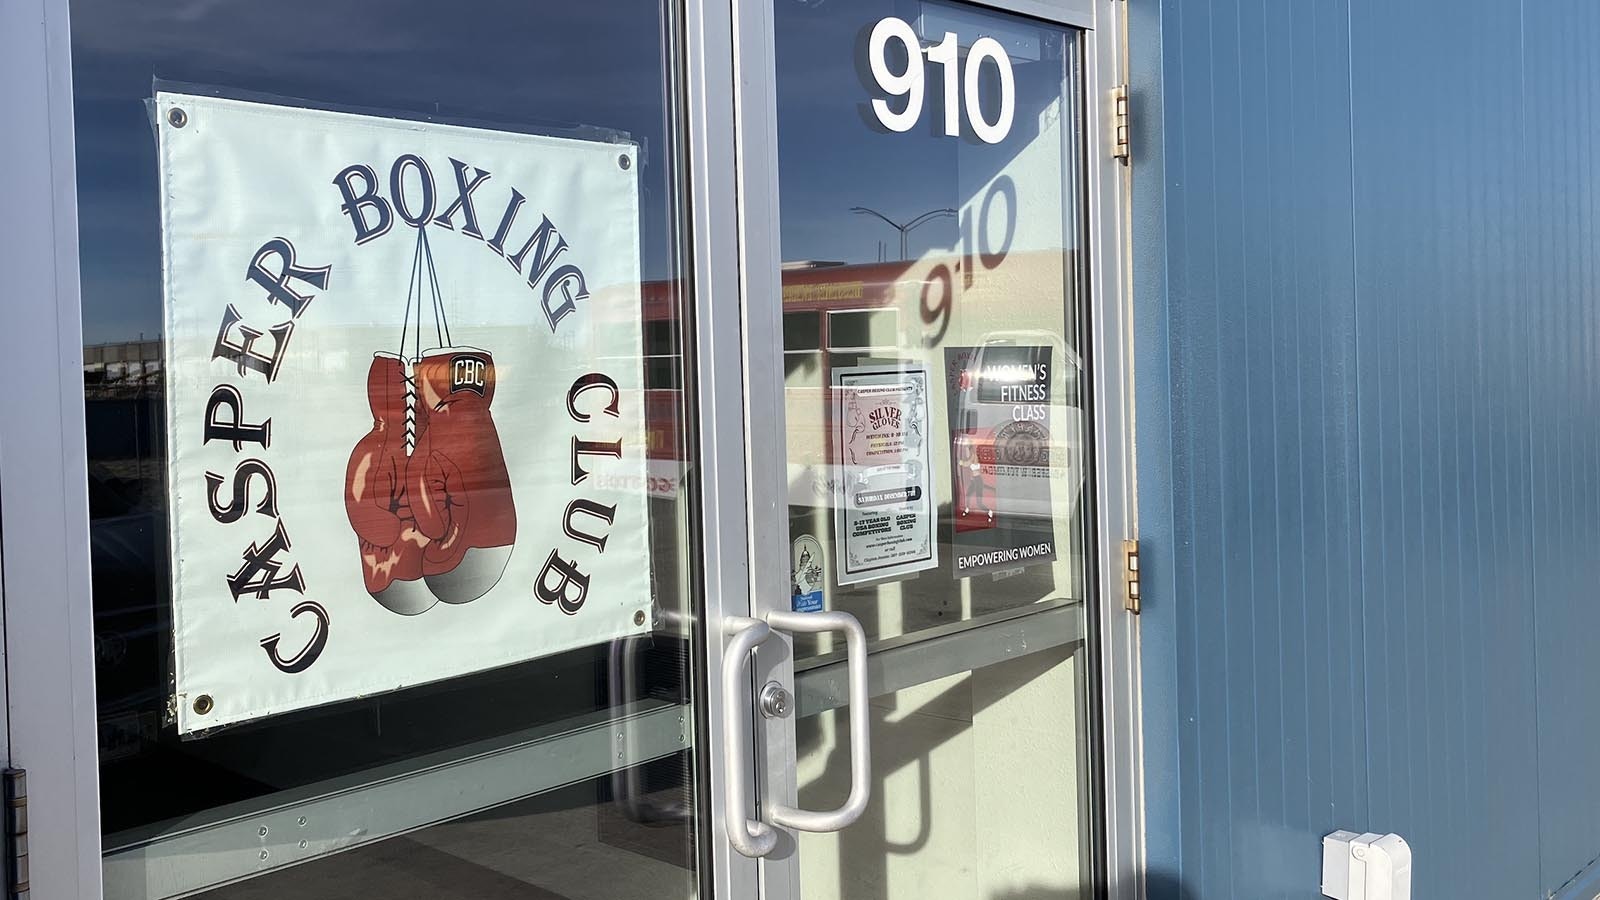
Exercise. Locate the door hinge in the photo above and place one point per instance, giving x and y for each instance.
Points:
(16, 825)
(1130, 575)
(1120, 148)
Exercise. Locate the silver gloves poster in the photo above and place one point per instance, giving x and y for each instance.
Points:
(884, 511)
(404, 374)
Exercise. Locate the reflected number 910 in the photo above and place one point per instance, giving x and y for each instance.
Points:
(960, 88)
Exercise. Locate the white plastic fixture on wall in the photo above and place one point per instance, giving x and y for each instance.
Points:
(1366, 867)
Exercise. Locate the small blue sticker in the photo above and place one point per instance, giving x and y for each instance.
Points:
(806, 581)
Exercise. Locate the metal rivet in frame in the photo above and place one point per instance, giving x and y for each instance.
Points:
(625, 162)
(176, 117)
(638, 617)
(203, 704)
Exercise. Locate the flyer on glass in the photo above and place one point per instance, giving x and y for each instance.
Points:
(404, 401)
(1000, 404)
(884, 514)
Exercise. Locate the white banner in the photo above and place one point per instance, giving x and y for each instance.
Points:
(404, 402)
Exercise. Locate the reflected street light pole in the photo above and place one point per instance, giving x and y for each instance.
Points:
(905, 229)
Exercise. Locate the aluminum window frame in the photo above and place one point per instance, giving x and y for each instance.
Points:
(44, 502)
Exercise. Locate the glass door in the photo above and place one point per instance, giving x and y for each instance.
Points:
(930, 376)
(398, 396)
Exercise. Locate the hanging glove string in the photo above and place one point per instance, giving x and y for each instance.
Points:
(412, 296)
(424, 278)
(441, 323)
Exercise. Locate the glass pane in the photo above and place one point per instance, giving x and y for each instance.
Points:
(864, 329)
(561, 771)
(554, 844)
(933, 231)
(978, 789)
(983, 311)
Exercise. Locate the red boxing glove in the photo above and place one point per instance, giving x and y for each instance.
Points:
(375, 497)
(457, 478)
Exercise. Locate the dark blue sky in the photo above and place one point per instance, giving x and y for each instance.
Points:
(544, 67)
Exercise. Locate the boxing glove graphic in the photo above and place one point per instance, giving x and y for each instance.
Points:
(375, 496)
(459, 488)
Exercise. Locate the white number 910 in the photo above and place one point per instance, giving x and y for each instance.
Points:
(910, 83)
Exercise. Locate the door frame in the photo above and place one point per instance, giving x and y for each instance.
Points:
(44, 505)
(1119, 862)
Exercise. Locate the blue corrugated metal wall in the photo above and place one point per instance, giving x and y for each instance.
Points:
(1367, 238)
(1559, 154)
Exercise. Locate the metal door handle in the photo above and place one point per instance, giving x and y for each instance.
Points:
(855, 654)
(748, 836)
(756, 838)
